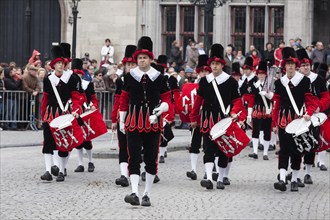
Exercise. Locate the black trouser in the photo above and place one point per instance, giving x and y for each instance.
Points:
(262, 125)
(196, 140)
(211, 151)
(309, 158)
(288, 149)
(122, 143)
(49, 143)
(150, 142)
(86, 145)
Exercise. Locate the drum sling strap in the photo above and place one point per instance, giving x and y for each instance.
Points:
(293, 102)
(222, 106)
(60, 103)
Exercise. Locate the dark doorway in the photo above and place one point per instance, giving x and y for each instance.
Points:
(27, 25)
(321, 26)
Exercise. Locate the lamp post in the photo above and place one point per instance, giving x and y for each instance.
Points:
(208, 5)
(74, 33)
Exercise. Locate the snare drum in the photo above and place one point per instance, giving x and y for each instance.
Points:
(229, 137)
(302, 133)
(324, 136)
(93, 124)
(66, 132)
(318, 119)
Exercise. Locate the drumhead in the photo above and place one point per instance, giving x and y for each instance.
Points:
(87, 113)
(298, 126)
(318, 119)
(220, 127)
(60, 121)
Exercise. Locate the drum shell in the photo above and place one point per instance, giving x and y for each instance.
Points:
(325, 133)
(63, 139)
(233, 149)
(93, 125)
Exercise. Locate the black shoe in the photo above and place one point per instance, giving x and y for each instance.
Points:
(288, 177)
(308, 179)
(215, 176)
(276, 153)
(156, 180)
(161, 159)
(207, 184)
(220, 185)
(226, 181)
(60, 177)
(294, 186)
(54, 170)
(265, 157)
(132, 199)
(65, 173)
(261, 147)
(165, 154)
(318, 164)
(122, 181)
(271, 148)
(145, 201)
(323, 168)
(254, 156)
(300, 184)
(143, 176)
(205, 176)
(91, 167)
(47, 176)
(79, 169)
(280, 186)
(192, 175)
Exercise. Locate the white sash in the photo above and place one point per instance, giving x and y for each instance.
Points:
(295, 107)
(222, 106)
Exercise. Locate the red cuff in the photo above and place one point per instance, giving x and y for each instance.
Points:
(237, 106)
(196, 109)
(166, 97)
(249, 98)
(324, 102)
(311, 102)
(95, 101)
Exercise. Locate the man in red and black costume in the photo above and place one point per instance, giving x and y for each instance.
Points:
(320, 90)
(260, 112)
(144, 98)
(173, 86)
(129, 63)
(91, 104)
(68, 87)
(284, 113)
(185, 105)
(211, 111)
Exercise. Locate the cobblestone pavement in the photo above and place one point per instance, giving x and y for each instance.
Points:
(95, 196)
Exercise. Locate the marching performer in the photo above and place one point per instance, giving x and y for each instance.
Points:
(185, 105)
(167, 133)
(129, 63)
(292, 91)
(260, 112)
(144, 98)
(59, 88)
(90, 104)
(212, 111)
(320, 89)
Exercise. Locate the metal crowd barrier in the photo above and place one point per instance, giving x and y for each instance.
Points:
(21, 107)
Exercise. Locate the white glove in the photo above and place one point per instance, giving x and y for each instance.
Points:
(250, 111)
(153, 119)
(249, 120)
(122, 117)
(268, 95)
(163, 107)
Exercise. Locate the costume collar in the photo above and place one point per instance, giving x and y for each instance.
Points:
(137, 74)
(257, 84)
(240, 83)
(220, 79)
(250, 77)
(295, 79)
(64, 78)
(84, 84)
(312, 76)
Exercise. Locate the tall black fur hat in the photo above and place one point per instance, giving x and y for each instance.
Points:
(129, 52)
(202, 63)
(216, 54)
(57, 55)
(162, 60)
(144, 46)
(262, 67)
(66, 49)
(288, 54)
(248, 63)
(236, 69)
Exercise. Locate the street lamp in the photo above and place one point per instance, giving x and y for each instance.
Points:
(208, 5)
(74, 6)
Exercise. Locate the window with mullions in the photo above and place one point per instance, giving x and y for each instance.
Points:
(238, 18)
(168, 27)
(257, 28)
(187, 18)
(201, 27)
(276, 24)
